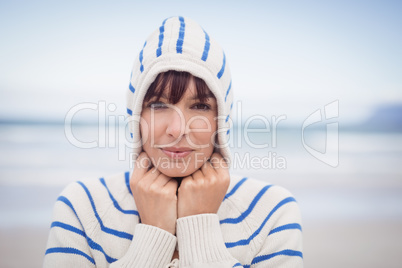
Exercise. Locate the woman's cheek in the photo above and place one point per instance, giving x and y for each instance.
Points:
(202, 130)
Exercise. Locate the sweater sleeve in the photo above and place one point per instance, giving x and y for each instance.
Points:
(150, 247)
(201, 242)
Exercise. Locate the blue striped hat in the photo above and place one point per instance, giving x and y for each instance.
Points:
(181, 44)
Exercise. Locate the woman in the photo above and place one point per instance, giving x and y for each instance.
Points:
(179, 207)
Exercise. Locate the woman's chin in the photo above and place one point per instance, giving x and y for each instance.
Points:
(176, 172)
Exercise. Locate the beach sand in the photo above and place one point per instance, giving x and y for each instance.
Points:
(22, 247)
(329, 245)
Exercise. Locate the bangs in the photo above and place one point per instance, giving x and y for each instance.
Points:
(176, 84)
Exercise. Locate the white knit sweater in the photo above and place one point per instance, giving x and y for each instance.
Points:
(96, 224)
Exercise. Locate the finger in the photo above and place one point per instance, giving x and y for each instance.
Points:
(144, 181)
(150, 177)
(172, 185)
(186, 180)
(199, 174)
(142, 164)
(207, 168)
(139, 168)
(217, 161)
(161, 180)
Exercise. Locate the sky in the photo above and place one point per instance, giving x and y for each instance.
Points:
(286, 57)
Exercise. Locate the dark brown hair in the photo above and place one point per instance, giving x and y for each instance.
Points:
(177, 84)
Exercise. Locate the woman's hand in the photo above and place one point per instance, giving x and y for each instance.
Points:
(154, 194)
(204, 190)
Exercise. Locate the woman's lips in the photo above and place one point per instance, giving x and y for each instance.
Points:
(177, 152)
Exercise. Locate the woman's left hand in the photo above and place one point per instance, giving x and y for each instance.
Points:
(204, 190)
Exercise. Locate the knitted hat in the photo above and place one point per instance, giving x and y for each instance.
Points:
(180, 44)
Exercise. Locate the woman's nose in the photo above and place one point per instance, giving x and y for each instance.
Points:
(176, 123)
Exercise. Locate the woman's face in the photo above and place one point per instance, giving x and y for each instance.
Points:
(179, 137)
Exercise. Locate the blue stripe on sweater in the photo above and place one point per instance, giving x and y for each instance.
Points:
(180, 40)
(115, 203)
(237, 265)
(69, 251)
(141, 57)
(285, 252)
(219, 75)
(68, 227)
(127, 179)
(250, 208)
(129, 112)
(91, 243)
(247, 241)
(234, 189)
(161, 33)
(206, 47)
(98, 247)
(103, 227)
(68, 203)
(132, 89)
(286, 227)
(227, 91)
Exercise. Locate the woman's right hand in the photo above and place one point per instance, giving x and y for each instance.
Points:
(154, 194)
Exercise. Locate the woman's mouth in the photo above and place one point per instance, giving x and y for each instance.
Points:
(174, 152)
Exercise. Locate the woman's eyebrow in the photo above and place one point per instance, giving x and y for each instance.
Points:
(208, 96)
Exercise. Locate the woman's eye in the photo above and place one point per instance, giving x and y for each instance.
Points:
(157, 105)
(202, 106)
